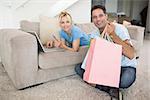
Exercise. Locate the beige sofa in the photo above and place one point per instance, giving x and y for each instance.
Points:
(26, 67)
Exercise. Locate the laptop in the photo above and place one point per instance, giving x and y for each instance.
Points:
(42, 48)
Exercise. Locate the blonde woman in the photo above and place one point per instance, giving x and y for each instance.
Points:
(70, 33)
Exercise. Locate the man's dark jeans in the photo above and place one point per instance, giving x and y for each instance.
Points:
(127, 77)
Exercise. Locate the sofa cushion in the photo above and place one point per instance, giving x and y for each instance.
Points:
(61, 58)
(87, 27)
(48, 26)
(29, 26)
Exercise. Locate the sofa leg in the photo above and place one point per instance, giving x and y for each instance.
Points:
(120, 95)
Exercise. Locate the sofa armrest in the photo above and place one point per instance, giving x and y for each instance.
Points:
(19, 56)
(137, 35)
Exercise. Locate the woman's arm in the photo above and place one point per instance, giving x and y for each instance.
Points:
(75, 45)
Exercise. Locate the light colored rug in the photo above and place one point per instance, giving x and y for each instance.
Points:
(73, 88)
(69, 88)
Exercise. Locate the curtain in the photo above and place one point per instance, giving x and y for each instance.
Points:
(148, 20)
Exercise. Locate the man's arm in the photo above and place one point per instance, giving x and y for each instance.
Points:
(127, 48)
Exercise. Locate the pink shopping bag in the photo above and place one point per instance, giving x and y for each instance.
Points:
(103, 63)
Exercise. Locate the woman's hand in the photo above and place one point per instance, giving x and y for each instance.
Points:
(49, 44)
(57, 43)
(75, 45)
(62, 45)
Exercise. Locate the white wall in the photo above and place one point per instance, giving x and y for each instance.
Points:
(80, 11)
(111, 5)
(31, 10)
(6, 18)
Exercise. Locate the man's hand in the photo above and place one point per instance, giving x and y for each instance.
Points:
(110, 28)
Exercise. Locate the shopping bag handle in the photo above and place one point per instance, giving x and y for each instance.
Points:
(105, 35)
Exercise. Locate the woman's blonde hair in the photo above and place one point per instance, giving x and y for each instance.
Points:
(65, 14)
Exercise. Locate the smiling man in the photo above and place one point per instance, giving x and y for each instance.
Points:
(119, 34)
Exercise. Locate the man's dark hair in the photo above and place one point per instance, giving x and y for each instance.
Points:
(98, 7)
